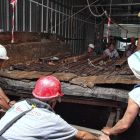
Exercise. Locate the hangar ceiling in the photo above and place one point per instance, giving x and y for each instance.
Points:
(120, 11)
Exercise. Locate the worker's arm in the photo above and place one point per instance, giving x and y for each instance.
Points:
(4, 100)
(4, 105)
(83, 135)
(128, 118)
(3, 95)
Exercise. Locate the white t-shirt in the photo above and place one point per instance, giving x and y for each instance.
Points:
(135, 96)
(38, 124)
(112, 54)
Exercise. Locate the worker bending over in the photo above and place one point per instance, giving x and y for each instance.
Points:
(133, 107)
(41, 122)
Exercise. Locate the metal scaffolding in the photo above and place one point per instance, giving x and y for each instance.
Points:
(47, 16)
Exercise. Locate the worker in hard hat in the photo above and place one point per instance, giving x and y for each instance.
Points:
(90, 50)
(131, 48)
(133, 107)
(41, 122)
(4, 100)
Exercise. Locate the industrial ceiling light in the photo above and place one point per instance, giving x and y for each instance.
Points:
(139, 14)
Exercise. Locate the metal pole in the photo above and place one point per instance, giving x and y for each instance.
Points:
(108, 5)
(16, 10)
(7, 11)
(63, 24)
(23, 15)
(124, 15)
(66, 23)
(1, 15)
(42, 8)
(47, 14)
(30, 17)
(72, 31)
(68, 31)
(51, 18)
(55, 18)
(59, 30)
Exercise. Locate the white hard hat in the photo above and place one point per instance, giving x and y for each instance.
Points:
(3, 53)
(91, 46)
(134, 63)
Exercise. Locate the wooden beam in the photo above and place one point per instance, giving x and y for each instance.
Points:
(118, 115)
(93, 131)
(111, 119)
(120, 63)
(93, 101)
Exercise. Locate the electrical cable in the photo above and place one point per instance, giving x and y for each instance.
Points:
(92, 11)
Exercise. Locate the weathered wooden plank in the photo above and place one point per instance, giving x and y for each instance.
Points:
(119, 63)
(91, 101)
(18, 87)
(23, 74)
(91, 81)
(64, 76)
(93, 131)
(111, 119)
(88, 81)
(118, 115)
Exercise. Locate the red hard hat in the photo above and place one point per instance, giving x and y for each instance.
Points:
(47, 87)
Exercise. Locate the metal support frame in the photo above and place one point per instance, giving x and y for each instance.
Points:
(46, 16)
(47, 11)
(55, 29)
(7, 11)
(23, 15)
(107, 5)
(42, 17)
(30, 21)
(16, 17)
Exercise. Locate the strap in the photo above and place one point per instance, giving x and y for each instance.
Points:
(33, 103)
(13, 121)
(137, 85)
(39, 104)
(2, 138)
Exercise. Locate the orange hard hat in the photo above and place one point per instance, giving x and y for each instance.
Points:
(47, 87)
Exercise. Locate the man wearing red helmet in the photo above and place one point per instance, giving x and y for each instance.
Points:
(41, 122)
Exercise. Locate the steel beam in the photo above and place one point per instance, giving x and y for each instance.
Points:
(23, 15)
(107, 5)
(124, 15)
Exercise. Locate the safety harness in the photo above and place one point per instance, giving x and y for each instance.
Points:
(34, 103)
(137, 85)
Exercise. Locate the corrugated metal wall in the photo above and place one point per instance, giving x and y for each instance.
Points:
(47, 16)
